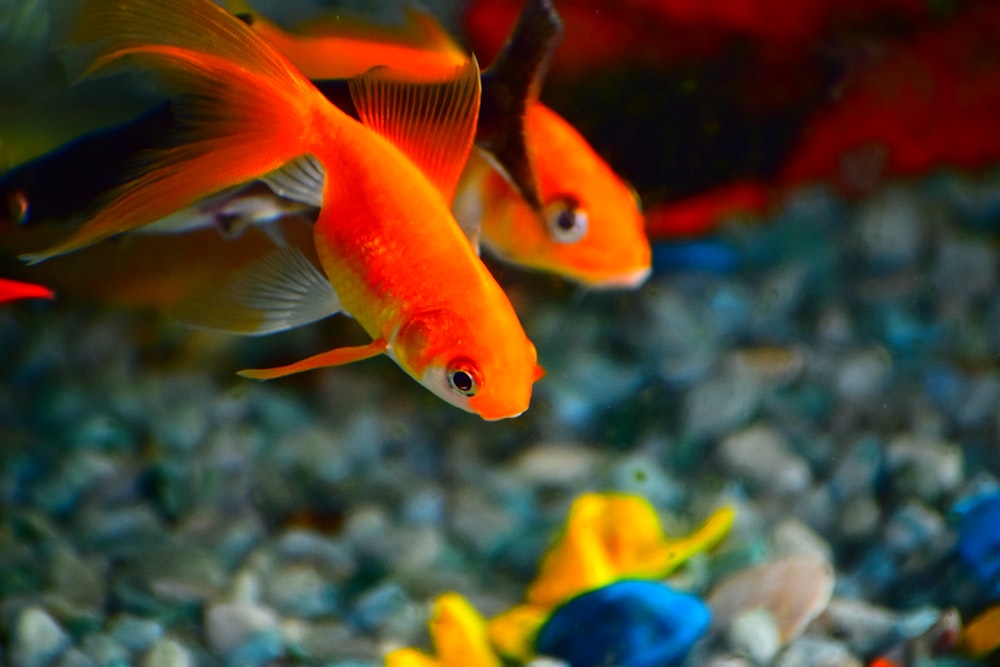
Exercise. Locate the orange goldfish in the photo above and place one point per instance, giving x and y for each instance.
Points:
(570, 213)
(391, 253)
(14, 289)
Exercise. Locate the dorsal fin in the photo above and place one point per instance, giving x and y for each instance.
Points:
(433, 124)
(510, 86)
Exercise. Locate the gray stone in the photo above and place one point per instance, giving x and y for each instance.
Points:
(863, 375)
(857, 469)
(816, 652)
(791, 537)
(230, 626)
(914, 531)
(37, 639)
(925, 467)
(168, 653)
(965, 268)
(299, 590)
(755, 633)
(864, 627)
(74, 657)
(721, 404)
(762, 456)
(890, 227)
(859, 517)
(105, 651)
(136, 634)
(559, 464)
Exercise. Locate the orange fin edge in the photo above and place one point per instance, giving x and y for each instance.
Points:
(337, 357)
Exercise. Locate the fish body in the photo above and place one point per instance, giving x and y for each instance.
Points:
(391, 253)
(590, 228)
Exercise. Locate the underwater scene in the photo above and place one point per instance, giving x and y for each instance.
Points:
(497, 333)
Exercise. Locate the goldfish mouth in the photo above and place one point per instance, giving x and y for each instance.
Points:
(630, 280)
(499, 417)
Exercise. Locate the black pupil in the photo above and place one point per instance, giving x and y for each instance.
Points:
(462, 381)
(566, 220)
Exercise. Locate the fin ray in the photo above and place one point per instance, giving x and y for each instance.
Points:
(279, 291)
(241, 110)
(300, 180)
(433, 124)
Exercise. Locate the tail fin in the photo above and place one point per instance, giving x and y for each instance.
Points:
(242, 109)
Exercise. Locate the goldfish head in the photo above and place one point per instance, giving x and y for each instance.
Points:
(590, 229)
(467, 361)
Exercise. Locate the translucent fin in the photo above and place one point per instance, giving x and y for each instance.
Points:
(510, 86)
(242, 111)
(336, 46)
(467, 204)
(338, 357)
(433, 124)
(279, 291)
(300, 180)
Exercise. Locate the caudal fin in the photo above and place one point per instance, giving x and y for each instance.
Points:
(242, 109)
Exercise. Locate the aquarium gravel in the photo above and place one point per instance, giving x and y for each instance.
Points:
(836, 383)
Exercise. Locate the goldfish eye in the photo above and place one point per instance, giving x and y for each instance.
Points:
(462, 378)
(566, 221)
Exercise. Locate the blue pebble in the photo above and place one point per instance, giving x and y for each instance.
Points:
(260, 648)
(979, 537)
(627, 623)
(136, 634)
(710, 256)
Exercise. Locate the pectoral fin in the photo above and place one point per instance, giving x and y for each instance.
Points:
(300, 180)
(338, 357)
(279, 291)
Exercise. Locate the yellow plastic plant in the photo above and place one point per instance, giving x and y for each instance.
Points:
(607, 537)
(458, 633)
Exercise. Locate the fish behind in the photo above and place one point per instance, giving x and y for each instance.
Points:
(391, 254)
(534, 191)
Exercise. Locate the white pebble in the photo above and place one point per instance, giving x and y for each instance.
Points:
(37, 639)
(756, 634)
(167, 653)
(763, 456)
(816, 652)
(228, 626)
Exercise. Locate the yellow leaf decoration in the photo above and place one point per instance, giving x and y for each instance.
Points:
(458, 633)
(982, 635)
(607, 537)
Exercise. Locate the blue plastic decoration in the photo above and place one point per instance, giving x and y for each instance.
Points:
(708, 255)
(627, 624)
(979, 537)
